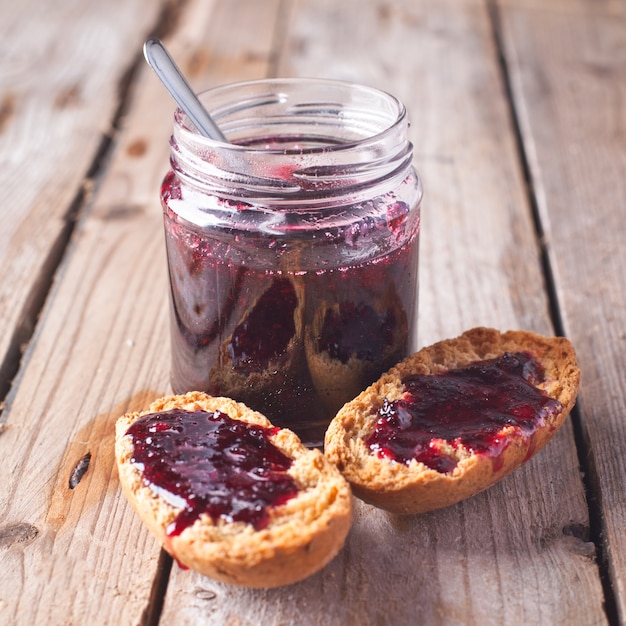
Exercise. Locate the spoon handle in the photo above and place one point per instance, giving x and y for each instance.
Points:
(170, 75)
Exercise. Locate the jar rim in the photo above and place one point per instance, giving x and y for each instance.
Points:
(238, 97)
(295, 141)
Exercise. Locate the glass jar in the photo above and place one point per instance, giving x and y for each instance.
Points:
(292, 249)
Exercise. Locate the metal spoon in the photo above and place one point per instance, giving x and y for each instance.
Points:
(161, 62)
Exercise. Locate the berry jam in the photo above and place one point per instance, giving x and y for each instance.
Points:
(264, 335)
(206, 462)
(356, 330)
(465, 407)
(243, 304)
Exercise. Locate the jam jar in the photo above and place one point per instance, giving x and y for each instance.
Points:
(293, 248)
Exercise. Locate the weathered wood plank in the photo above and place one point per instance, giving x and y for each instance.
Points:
(518, 553)
(568, 63)
(61, 69)
(76, 555)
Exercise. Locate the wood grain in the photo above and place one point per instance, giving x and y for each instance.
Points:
(62, 68)
(567, 64)
(69, 554)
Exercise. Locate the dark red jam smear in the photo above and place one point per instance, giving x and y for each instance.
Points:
(465, 407)
(356, 329)
(206, 462)
(265, 333)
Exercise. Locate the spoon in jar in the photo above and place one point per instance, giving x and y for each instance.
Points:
(161, 62)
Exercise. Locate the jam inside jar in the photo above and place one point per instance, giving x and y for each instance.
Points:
(292, 249)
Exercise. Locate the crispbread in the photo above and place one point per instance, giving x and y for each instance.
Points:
(414, 487)
(302, 535)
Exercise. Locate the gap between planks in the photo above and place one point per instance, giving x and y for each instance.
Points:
(583, 448)
(36, 300)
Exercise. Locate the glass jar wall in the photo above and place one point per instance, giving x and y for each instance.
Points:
(292, 249)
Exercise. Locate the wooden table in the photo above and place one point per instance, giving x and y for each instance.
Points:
(518, 112)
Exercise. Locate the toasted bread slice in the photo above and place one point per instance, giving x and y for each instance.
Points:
(452, 466)
(297, 536)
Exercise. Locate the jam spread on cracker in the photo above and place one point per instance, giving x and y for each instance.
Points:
(467, 407)
(206, 462)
